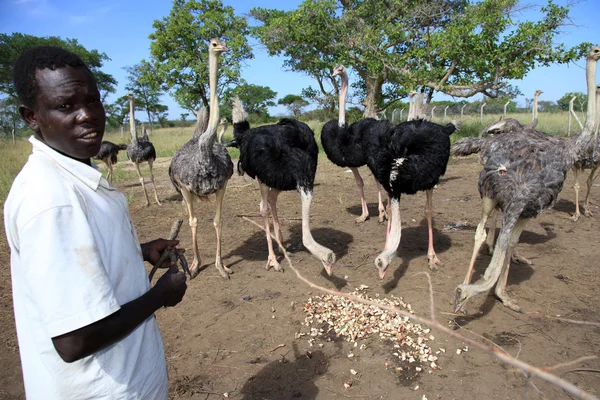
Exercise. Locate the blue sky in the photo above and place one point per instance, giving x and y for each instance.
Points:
(121, 28)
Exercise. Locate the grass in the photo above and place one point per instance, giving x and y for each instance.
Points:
(168, 140)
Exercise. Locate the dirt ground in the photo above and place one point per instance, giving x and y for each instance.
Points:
(223, 337)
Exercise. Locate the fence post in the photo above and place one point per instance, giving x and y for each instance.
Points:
(481, 115)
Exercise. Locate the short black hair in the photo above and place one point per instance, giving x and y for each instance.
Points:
(40, 57)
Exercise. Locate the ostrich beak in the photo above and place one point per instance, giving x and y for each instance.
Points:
(328, 268)
(382, 272)
(460, 301)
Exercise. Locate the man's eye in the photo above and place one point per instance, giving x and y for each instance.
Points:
(64, 107)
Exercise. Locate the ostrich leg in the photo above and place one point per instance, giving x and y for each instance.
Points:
(150, 162)
(496, 266)
(188, 198)
(491, 235)
(110, 172)
(264, 211)
(382, 213)
(488, 207)
(137, 167)
(365, 210)
(590, 182)
(577, 214)
(223, 270)
(272, 198)
(434, 262)
(501, 285)
(321, 252)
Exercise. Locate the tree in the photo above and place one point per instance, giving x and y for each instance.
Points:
(579, 104)
(11, 47)
(179, 49)
(117, 112)
(457, 47)
(143, 85)
(294, 103)
(255, 98)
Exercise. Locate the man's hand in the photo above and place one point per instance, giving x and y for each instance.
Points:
(171, 287)
(152, 251)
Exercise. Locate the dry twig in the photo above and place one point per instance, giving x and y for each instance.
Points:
(503, 356)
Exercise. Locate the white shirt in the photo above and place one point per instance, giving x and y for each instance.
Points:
(75, 258)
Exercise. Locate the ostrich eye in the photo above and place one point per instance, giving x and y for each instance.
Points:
(214, 45)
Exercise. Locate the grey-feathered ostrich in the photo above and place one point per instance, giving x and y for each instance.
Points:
(523, 175)
(591, 161)
(407, 158)
(108, 153)
(343, 145)
(202, 166)
(140, 150)
(280, 157)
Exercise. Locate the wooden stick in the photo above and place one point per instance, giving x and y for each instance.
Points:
(503, 356)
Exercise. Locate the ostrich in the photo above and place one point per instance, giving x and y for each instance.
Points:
(140, 150)
(281, 157)
(590, 161)
(224, 124)
(523, 175)
(535, 112)
(407, 158)
(108, 153)
(202, 167)
(343, 145)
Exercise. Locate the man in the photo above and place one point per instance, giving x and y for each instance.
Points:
(83, 303)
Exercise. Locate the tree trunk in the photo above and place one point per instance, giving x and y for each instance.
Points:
(374, 95)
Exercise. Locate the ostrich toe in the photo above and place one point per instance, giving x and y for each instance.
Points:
(434, 262)
(223, 270)
(273, 263)
(516, 257)
(362, 219)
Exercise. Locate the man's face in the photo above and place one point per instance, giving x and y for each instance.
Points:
(68, 115)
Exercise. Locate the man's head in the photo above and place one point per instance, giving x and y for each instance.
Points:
(60, 101)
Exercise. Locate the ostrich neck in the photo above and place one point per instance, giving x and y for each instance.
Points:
(590, 116)
(207, 139)
(535, 106)
(343, 94)
(132, 120)
(308, 241)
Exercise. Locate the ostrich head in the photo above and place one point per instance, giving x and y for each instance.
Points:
(328, 259)
(382, 262)
(217, 46)
(340, 69)
(412, 93)
(538, 92)
(461, 296)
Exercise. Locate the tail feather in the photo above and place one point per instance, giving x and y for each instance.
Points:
(467, 146)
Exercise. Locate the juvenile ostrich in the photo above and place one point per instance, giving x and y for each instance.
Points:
(343, 145)
(523, 175)
(280, 157)
(591, 161)
(202, 166)
(140, 150)
(108, 153)
(408, 158)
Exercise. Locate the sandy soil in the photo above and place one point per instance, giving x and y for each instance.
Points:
(222, 338)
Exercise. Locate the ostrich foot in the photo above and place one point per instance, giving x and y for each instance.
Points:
(223, 270)
(272, 262)
(362, 218)
(587, 212)
(383, 216)
(195, 270)
(147, 203)
(508, 302)
(434, 262)
(575, 216)
(519, 259)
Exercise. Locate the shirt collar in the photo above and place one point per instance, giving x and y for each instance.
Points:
(85, 173)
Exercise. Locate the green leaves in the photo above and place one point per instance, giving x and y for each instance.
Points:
(179, 49)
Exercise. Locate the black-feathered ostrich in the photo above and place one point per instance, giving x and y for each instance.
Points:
(140, 150)
(591, 161)
(203, 166)
(343, 145)
(408, 158)
(108, 153)
(523, 175)
(280, 157)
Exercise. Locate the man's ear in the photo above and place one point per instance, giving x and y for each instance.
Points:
(29, 117)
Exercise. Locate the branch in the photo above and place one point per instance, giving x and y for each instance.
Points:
(503, 356)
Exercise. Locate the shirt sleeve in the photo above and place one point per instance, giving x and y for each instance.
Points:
(63, 270)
